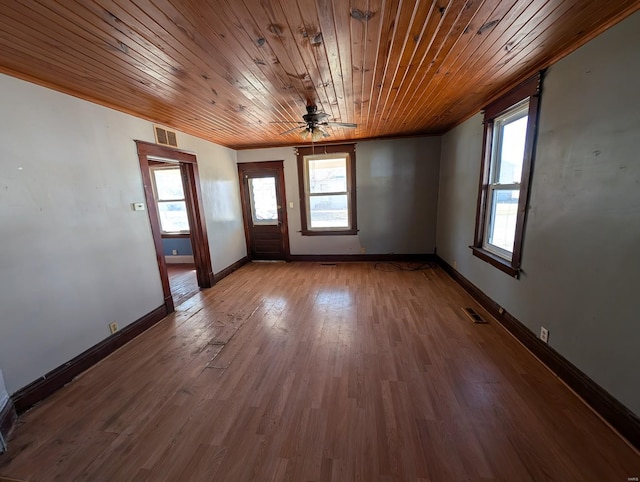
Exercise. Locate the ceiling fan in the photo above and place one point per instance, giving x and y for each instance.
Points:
(313, 124)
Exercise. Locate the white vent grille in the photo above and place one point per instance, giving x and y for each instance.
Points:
(165, 136)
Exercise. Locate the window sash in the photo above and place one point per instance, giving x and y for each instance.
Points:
(518, 111)
(309, 195)
(513, 114)
(491, 222)
(160, 201)
(346, 151)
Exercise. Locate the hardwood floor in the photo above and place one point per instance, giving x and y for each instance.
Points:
(305, 372)
(183, 282)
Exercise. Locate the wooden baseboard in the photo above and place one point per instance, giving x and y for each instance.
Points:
(338, 258)
(43, 387)
(8, 418)
(615, 413)
(179, 259)
(230, 269)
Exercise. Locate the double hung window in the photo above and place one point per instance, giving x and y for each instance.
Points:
(509, 143)
(327, 190)
(169, 194)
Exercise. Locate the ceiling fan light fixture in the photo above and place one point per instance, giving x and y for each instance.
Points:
(318, 133)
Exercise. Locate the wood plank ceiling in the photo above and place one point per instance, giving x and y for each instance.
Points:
(229, 70)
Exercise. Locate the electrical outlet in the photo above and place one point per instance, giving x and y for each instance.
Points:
(501, 310)
(363, 250)
(174, 252)
(544, 334)
(455, 264)
(113, 327)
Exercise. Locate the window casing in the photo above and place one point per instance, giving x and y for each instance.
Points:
(327, 190)
(510, 125)
(168, 192)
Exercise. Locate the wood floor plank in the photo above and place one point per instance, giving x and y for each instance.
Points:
(299, 371)
(183, 282)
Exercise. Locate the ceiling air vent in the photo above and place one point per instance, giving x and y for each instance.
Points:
(165, 136)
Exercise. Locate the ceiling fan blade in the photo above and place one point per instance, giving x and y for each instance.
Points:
(291, 130)
(287, 122)
(342, 124)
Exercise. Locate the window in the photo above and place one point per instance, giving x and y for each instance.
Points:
(263, 200)
(509, 143)
(327, 190)
(169, 194)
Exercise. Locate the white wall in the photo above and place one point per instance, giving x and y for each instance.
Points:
(74, 255)
(221, 200)
(580, 255)
(397, 190)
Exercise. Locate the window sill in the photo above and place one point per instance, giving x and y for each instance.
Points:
(496, 261)
(175, 235)
(337, 232)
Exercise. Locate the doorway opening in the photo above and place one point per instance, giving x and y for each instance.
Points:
(173, 198)
(169, 196)
(264, 210)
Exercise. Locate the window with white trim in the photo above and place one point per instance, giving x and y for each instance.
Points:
(505, 176)
(168, 191)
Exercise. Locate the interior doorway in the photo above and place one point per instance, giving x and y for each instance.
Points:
(169, 189)
(173, 199)
(264, 210)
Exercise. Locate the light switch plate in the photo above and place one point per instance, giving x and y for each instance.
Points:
(137, 206)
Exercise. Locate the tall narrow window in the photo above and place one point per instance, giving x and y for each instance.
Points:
(327, 190)
(509, 143)
(169, 194)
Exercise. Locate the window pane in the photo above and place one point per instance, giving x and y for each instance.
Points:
(264, 206)
(502, 222)
(173, 216)
(168, 184)
(512, 134)
(327, 175)
(329, 211)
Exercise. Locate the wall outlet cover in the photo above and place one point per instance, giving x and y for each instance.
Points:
(544, 334)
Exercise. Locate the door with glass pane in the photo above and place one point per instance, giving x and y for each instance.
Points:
(264, 206)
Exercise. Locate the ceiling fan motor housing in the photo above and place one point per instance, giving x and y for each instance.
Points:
(313, 117)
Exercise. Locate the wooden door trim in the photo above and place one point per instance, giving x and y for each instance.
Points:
(278, 167)
(195, 212)
(197, 220)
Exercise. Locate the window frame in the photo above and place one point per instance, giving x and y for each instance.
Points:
(158, 201)
(529, 90)
(347, 150)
